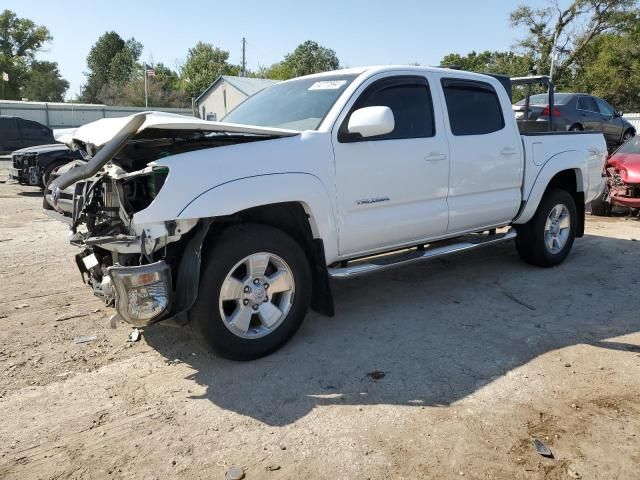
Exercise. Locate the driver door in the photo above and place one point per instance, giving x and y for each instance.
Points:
(392, 189)
(612, 126)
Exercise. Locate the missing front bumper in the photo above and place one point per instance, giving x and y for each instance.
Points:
(143, 293)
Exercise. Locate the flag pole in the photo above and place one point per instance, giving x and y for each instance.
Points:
(146, 102)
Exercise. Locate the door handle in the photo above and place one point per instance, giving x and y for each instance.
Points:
(435, 157)
(508, 152)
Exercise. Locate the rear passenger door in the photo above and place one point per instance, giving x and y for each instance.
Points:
(486, 155)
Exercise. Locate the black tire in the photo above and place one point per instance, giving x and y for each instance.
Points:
(226, 251)
(576, 128)
(600, 207)
(628, 135)
(46, 174)
(530, 241)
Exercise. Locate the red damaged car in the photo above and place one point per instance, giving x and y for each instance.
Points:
(623, 180)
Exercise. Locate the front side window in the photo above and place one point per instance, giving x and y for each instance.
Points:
(297, 104)
(33, 129)
(474, 107)
(409, 98)
(605, 108)
(588, 104)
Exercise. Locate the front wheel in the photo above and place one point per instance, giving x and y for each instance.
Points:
(254, 292)
(547, 238)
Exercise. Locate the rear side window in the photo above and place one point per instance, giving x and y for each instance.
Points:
(8, 128)
(474, 107)
(409, 98)
(588, 104)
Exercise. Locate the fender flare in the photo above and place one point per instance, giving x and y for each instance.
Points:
(243, 193)
(558, 163)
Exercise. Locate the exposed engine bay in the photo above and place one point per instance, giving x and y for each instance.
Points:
(123, 262)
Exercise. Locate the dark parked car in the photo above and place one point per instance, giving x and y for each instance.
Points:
(578, 111)
(17, 133)
(34, 165)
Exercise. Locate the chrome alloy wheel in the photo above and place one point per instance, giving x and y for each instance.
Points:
(256, 295)
(557, 229)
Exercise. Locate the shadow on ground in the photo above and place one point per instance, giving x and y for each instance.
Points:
(437, 332)
(31, 193)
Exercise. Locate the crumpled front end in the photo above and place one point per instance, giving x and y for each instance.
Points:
(623, 181)
(135, 265)
(130, 266)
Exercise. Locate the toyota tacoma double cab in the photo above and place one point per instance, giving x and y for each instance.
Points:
(237, 227)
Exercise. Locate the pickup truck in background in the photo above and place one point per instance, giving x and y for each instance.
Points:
(17, 133)
(34, 165)
(237, 227)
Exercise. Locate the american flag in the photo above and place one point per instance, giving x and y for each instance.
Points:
(151, 72)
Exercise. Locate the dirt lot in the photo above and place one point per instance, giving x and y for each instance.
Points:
(442, 370)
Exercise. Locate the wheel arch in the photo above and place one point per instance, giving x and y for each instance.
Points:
(570, 179)
(293, 219)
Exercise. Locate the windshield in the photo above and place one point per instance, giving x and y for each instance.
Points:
(297, 105)
(632, 146)
(543, 99)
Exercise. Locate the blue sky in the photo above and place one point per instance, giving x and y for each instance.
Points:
(361, 32)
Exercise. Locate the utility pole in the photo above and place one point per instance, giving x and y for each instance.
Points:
(554, 54)
(244, 57)
(146, 98)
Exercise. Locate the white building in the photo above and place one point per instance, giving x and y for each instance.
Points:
(226, 93)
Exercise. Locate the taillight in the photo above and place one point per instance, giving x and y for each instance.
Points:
(545, 112)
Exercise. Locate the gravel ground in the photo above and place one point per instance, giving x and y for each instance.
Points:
(441, 370)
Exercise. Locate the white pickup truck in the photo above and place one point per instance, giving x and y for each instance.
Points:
(238, 226)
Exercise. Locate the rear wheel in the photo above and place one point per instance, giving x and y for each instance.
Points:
(628, 135)
(254, 292)
(547, 238)
(576, 128)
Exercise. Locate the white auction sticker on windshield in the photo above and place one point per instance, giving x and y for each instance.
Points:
(327, 85)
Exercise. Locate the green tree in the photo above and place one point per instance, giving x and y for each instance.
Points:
(572, 29)
(610, 68)
(503, 63)
(43, 83)
(308, 58)
(111, 59)
(164, 90)
(277, 71)
(204, 64)
(20, 40)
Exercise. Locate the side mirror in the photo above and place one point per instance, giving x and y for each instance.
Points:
(371, 121)
(619, 114)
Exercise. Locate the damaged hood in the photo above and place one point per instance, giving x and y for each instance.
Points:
(628, 164)
(42, 148)
(103, 139)
(100, 132)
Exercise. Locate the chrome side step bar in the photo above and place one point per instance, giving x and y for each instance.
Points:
(417, 254)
